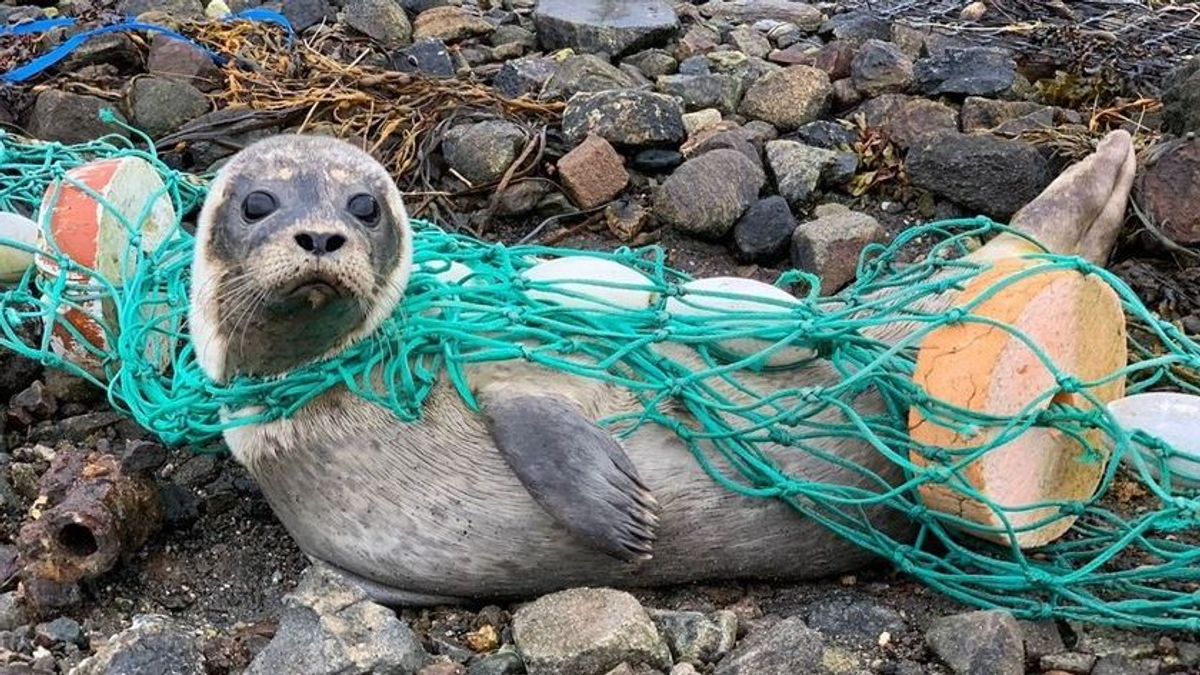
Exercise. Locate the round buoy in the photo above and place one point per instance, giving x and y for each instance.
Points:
(14, 262)
(1171, 417)
(584, 282)
(732, 297)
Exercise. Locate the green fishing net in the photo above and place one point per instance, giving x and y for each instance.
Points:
(1134, 564)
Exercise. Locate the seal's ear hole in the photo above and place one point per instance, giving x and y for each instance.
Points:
(364, 207)
(258, 205)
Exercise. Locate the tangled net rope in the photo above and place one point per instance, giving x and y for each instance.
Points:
(1123, 565)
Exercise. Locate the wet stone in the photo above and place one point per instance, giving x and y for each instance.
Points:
(628, 118)
(382, 20)
(431, 58)
(764, 231)
(974, 71)
(71, 118)
(614, 28)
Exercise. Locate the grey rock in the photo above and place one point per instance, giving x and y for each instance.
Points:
(586, 630)
(698, 40)
(180, 9)
(501, 662)
(750, 42)
(697, 92)
(789, 97)
(586, 73)
(829, 247)
(329, 626)
(159, 105)
(629, 118)
(907, 119)
(304, 14)
(1068, 662)
(789, 646)
(979, 643)
(991, 175)
(1117, 664)
(734, 139)
(694, 65)
(656, 161)
(804, 16)
(1181, 98)
(153, 645)
(973, 71)
(524, 76)
(759, 132)
(653, 63)
(509, 34)
(71, 118)
(881, 68)
(114, 49)
(861, 620)
(796, 169)
(33, 404)
(483, 151)
(1011, 117)
(12, 611)
(840, 170)
(181, 60)
(856, 28)
(431, 57)
(60, 631)
(418, 6)
(1189, 652)
(1041, 638)
(825, 134)
(142, 456)
(382, 20)
(613, 28)
(450, 24)
(764, 231)
(694, 637)
(748, 70)
(707, 195)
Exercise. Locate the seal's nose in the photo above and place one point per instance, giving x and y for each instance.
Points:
(318, 243)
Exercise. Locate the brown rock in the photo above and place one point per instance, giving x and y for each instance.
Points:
(789, 97)
(834, 58)
(177, 59)
(449, 24)
(1011, 117)
(1170, 190)
(908, 118)
(830, 246)
(845, 95)
(593, 173)
(707, 195)
(698, 40)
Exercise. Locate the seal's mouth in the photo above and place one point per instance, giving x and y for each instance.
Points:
(316, 290)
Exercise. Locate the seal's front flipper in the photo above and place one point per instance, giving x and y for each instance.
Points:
(575, 471)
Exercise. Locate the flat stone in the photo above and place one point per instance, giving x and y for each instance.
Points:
(510, 34)
(159, 106)
(825, 134)
(788, 646)
(881, 68)
(789, 97)
(806, 17)
(694, 637)
(1181, 98)
(304, 14)
(796, 170)
(907, 119)
(586, 630)
(432, 58)
(184, 61)
(626, 118)
(483, 151)
(382, 20)
(449, 24)
(656, 161)
(602, 26)
(695, 122)
(153, 644)
(503, 662)
(973, 71)
(71, 118)
(698, 40)
(706, 195)
(1170, 190)
(586, 73)
(593, 173)
(1068, 662)
(990, 175)
(60, 631)
(653, 63)
(1010, 118)
(829, 247)
(524, 76)
(696, 92)
(856, 28)
(764, 231)
(750, 42)
(978, 643)
(179, 9)
(329, 626)
(860, 620)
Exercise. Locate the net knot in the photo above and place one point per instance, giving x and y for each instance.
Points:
(673, 291)
(954, 315)
(1068, 384)
(1044, 612)
(939, 474)
(1072, 509)
(918, 511)
(662, 334)
(901, 557)
(1039, 578)
(780, 436)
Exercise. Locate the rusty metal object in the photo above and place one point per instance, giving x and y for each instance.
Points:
(92, 514)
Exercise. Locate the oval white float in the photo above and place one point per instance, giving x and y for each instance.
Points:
(13, 261)
(1172, 417)
(575, 277)
(703, 297)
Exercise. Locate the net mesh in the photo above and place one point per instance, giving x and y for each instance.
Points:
(1124, 564)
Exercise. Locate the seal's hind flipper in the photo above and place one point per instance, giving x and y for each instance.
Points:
(575, 471)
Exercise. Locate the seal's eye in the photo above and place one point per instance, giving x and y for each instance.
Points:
(258, 205)
(365, 208)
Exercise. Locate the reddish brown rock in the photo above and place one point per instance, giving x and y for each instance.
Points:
(1170, 191)
(834, 58)
(908, 118)
(593, 173)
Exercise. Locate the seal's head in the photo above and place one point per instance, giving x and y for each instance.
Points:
(302, 247)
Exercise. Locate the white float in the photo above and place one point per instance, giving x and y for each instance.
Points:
(705, 297)
(14, 261)
(1171, 417)
(583, 282)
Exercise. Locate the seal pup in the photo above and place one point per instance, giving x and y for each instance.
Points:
(303, 247)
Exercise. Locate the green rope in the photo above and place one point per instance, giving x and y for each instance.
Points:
(1136, 568)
